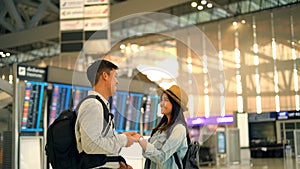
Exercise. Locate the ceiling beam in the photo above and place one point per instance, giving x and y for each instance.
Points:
(39, 14)
(12, 10)
(51, 6)
(51, 31)
(37, 34)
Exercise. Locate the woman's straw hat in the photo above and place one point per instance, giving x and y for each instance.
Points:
(178, 95)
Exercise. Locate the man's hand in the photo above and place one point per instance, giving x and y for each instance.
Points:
(130, 140)
(130, 133)
(123, 166)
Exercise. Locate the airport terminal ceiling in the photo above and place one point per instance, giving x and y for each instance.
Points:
(24, 18)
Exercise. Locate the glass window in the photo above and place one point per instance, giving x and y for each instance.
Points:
(290, 135)
(298, 125)
(289, 125)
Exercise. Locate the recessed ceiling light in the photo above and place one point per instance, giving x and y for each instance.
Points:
(200, 7)
(122, 46)
(203, 2)
(234, 23)
(194, 4)
(209, 5)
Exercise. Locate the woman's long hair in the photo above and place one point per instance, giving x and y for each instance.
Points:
(176, 116)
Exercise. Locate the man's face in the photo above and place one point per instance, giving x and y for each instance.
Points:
(113, 79)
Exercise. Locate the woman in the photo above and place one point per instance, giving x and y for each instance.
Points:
(169, 136)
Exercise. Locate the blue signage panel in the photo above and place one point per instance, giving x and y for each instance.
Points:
(31, 73)
(221, 142)
(285, 115)
(265, 116)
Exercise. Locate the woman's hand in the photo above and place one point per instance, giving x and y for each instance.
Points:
(137, 136)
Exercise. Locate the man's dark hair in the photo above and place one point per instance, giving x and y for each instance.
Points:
(95, 69)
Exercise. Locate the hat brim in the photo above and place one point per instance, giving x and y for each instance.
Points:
(176, 99)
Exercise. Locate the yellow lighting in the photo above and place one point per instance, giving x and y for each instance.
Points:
(194, 4)
(221, 88)
(274, 49)
(258, 105)
(200, 7)
(256, 60)
(10, 79)
(234, 23)
(297, 102)
(220, 54)
(189, 60)
(205, 91)
(294, 54)
(190, 68)
(240, 103)
(257, 83)
(122, 46)
(255, 48)
(295, 73)
(222, 104)
(203, 2)
(209, 5)
(277, 102)
(206, 106)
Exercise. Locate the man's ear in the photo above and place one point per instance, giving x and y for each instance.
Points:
(104, 75)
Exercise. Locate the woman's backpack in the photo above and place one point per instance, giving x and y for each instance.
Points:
(191, 159)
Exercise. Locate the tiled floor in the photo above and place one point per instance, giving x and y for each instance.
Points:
(262, 163)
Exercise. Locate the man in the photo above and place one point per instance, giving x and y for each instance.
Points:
(102, 75)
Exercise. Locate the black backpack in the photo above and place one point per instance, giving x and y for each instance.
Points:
(191, 159)
(61, 146)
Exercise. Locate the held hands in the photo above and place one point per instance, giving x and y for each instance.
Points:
(130, 133)
(135, 137)
(131, 138)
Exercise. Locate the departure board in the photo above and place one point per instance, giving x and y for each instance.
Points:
(34, 101)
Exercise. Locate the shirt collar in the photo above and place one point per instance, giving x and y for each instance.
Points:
(92, 92)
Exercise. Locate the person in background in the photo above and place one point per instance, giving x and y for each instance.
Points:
(102, 74)
(169, 136)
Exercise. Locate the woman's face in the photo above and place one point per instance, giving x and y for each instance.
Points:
(165, 105)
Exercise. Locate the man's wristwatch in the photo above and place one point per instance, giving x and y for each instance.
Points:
(140, 139)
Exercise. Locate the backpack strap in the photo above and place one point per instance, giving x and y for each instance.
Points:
(88, 161)
(178, 162)
(94, 160)
(108, 117)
